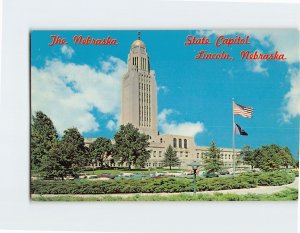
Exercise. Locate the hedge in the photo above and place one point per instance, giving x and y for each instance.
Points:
(150, 185)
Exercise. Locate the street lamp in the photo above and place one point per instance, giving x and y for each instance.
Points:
(194, 166)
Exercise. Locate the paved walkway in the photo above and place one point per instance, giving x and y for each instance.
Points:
(257, 190)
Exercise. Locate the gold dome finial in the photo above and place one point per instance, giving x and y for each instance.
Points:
(138, 42)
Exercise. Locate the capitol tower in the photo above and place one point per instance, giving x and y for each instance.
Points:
(139, 91)
(139, 107)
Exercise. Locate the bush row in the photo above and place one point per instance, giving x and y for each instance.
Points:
(285, 195)
(168, 185)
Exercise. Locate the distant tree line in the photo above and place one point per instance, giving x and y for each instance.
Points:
(266, 158)
(269, 157)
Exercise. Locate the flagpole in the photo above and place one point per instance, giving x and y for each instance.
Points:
(233, 143)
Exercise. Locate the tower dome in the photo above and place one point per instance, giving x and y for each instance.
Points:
(139, 43)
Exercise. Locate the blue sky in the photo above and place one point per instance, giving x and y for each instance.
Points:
(79, 85)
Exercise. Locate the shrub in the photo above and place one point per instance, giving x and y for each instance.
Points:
(168, 185)
(295, 172)
(275, 178)
(285, 195)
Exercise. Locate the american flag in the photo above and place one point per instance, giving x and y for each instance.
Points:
(242, 110)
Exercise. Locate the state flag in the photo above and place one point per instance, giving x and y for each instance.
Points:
(239, 130)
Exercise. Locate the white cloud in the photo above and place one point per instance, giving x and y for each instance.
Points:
(68, 92)
(67, 51)
(292, 98)
(184, 128)
(285, 41)
(106, 66)
(163, 89)
(162, 116)
(256, 66)
(112, 125)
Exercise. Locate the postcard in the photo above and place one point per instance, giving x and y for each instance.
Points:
(164, 115)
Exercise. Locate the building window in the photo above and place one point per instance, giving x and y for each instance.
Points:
(185, 143)
(180, 153)
(174, 142)
(186, 154)
(154, 153)
(180, 143)
(159, 154)
(161, 140)
(197, 155)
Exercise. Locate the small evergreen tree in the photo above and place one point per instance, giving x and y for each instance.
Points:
(212, 159)
(170, 158)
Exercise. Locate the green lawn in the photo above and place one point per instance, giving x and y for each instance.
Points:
(124, 170)
(119, 171)
(286, 195)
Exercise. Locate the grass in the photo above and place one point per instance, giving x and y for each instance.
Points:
(285, 195)
(118, 171)
(124, 170)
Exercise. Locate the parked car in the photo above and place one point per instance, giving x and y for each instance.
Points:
(210, 175)
(224, 172)
(106, 175)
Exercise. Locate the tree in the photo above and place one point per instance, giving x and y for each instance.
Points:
(170, 158)
(212, 159)
(67, 157)
(248, 157)
(272, 157)
(100, 150)
(286, 157)
(296, 163)
(131, 146)
(53, 165)
(43, 136)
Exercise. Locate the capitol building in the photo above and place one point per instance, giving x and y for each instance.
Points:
(139, 107)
